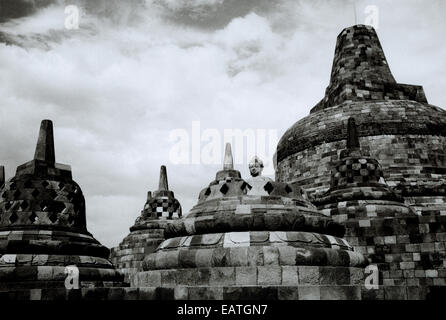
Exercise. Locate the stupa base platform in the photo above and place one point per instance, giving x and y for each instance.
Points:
(129, 255)
(273, 275)
(240, 293)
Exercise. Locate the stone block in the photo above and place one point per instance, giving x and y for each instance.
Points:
(287, 256)
(246, 275)
(203, 258)
(269, 275)
(233, 293)
(290, 276)
(288, 293)
(395, 293)
(308, 275)
(147, 293)
(186, 258)
(205, 293)
(168, 278)
(224, 276)
(238, 257)
(181, 293)
(270, 256)
(255, 256)
(340, 292)
(309, 293)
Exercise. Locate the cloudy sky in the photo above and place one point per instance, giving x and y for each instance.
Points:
(137, 73)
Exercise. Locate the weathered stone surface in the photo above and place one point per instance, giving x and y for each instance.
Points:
(43, 230)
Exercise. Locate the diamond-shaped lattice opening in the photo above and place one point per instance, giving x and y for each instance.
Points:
(24, 205)
(4, 195)
(70, 219)
(269, 187)
(17, 194)
(288, 189)
(244, 186)
(33, 217)
(13, 217)
(45, 184)
(58, 207)
(28, 184)
(207, 192)
(44, 205)
(224, 188)
(53, 217)
(52, 194)
(70, 196)
(61, 185)
(35, 193)
(8, 205)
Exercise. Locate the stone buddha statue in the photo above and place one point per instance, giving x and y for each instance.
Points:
(257, 181)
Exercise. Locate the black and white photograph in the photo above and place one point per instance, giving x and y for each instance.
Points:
(223, 155)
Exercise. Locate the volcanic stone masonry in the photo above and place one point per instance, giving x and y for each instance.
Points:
(254, 239)
(43, 229)
(359, 182)
(148, 231)
(395, 124)
(408, 249)
(394, 210)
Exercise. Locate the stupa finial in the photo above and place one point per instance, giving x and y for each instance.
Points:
(2, 175)
(163, 185)
(352, 134)
(228, 163)
(45, 143)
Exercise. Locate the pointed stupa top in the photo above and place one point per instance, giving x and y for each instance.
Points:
(356, 176)
(360, 72)
(356, 172)
(44, 163)
(228, 171)
(46, 190)
(163, 184)
(359, 56)
(159, 204)
(45, 143)
(228, 163)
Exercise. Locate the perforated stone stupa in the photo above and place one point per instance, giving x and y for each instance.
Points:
(147, 233)
(251, 240)
(43, 229)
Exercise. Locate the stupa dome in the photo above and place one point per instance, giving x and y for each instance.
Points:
(43, 227)
(395, 125)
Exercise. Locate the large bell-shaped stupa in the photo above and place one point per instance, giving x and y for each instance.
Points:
(254, 239)
(396, 126)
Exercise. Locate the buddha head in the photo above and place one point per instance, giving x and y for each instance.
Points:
(256, 166)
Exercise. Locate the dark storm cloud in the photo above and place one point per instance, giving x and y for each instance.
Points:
(212, 14)
(13, 9)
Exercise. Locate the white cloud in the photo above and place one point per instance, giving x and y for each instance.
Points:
(118, 85)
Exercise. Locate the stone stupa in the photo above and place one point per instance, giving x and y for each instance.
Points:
(254, 239)
(43, 230)
(147, 233)
(396, 125)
